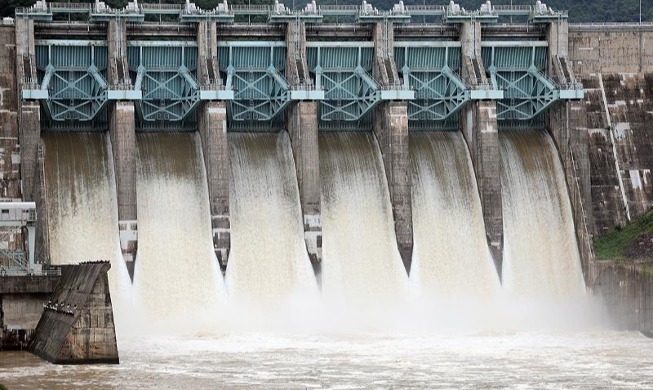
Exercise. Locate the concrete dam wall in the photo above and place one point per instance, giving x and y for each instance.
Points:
(307, 86)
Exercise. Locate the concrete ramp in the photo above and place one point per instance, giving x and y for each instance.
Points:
(77, 324)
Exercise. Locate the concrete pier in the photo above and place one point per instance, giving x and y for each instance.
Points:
(122, 131)
(567, 123)
(480, 128)
(302, 125)
(212, 125)
(390, 127)
(213, 132)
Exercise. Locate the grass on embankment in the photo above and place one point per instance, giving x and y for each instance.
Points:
(615, 244)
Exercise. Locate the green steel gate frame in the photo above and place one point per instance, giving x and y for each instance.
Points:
(343, 70)
(431, 69)
(254, 70)
(72, 78)
(165, 72)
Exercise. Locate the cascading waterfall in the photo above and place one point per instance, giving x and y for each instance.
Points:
(268, 260)
(361, 262)
(82, 211)
(541, 257)
(176, 275)
(451, 257)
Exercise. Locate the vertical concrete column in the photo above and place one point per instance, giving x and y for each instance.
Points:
(480, 128)
(391, 131)
(390, 127)
(10, 184)
(122, 132)
(212, 123)
(567, 124)
(29, 116)
(302, 124)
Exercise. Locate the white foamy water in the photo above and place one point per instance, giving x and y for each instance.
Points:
(82, 211)
(525, 360)
(451, 259)
(176, 272)
(268, 262)
(361, 262)
(541, 257)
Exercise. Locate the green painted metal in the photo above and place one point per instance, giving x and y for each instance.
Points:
(520, 72)
(255, 73)
(432, 71)
(166, 76)
(75, 80)
(350, 93)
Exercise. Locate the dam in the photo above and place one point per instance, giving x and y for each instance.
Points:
(369, 161)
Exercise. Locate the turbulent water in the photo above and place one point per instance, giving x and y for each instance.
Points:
(588, 360)
(361, 260)
(268, 261)
(176, 272)
(82, 211)
(506, 343)
(450, 256)
(541, 257)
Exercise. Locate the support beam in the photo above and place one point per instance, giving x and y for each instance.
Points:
(213, 133)
(480, 128)
(122, 131)
(390, 127)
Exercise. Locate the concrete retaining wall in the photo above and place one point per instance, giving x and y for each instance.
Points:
(77, 323)
(627, 294)
(21, 306)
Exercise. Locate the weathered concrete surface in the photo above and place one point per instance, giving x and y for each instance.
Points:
(611, 49)
(390, 126)
(9, 151)
(302, 124)
(479, 123)
(627, 294)
(568, 126)
(77, 323)
(213, 133)
(607, 208)
(391, 131)
(630, 105)
(122, 132)
(21, 305)
(480, 128)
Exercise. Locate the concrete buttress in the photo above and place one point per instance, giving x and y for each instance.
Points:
(302, 124)
(212, 124)
(481, 131)
(390, 127)
(122, 131)
(567, 124)
(29, 135)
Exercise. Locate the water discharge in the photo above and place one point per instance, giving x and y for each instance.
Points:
(268, 261)
(450, 258)
(82, 211)
(361, 265)
(176, 275)
(541, 257)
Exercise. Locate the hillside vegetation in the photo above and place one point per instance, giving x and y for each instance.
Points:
(632, 242)
(579, 10)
